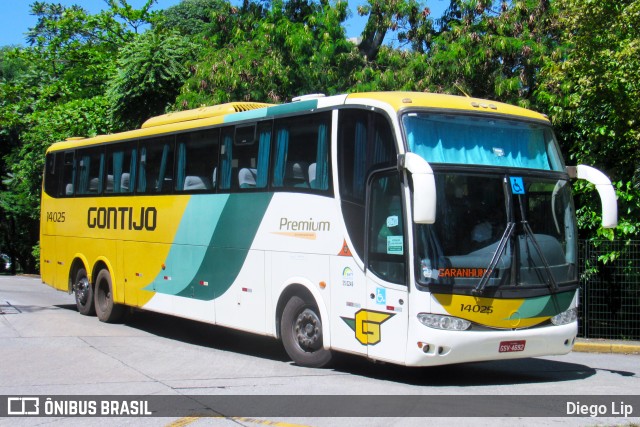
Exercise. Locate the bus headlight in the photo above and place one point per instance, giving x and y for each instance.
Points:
(565, 317)
(438, 321)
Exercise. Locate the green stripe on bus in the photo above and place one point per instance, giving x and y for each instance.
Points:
(294, 107)
(545, 306)
(272, 111)
(232, 239)
(246, 115)
(194, 234)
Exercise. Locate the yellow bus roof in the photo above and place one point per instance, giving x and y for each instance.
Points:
(236, 111)
(403, 100)
(202, 113)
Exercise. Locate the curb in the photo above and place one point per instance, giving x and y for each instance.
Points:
(604, 346)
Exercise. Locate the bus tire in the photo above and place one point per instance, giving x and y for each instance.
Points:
(83, 292)
(301, 329)
(106, 309)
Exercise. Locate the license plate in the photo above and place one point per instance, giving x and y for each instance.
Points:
(509, 346)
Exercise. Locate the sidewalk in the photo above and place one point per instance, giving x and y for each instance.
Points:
(588, 345)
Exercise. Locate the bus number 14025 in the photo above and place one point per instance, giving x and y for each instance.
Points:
(483, 309)
(56, 216)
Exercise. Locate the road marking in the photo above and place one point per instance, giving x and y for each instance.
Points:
(182, 422)
(267, 422)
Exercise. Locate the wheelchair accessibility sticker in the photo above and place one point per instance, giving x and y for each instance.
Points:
(517, 185)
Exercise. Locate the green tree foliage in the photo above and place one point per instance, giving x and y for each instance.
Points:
(492, 49)
(20, 202)
(151, 70)
(592, 91)
(51, 90)
(12, 91)
(384, 16)
(593, 86)
(196, 17)
(82, 74)
(484, 48)
(270, 55)
(75, 48)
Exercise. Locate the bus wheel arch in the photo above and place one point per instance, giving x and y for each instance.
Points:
(106, 309)
(82, 288)
(300, 327)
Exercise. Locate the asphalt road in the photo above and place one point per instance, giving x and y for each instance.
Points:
(48, 349)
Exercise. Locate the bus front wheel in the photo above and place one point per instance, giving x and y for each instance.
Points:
(106, 309)
(84, 293)
(302, 334)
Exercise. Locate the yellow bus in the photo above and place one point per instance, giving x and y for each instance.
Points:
(418, 229)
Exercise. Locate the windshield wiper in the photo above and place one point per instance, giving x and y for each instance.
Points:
(551, 282)
(502, 245)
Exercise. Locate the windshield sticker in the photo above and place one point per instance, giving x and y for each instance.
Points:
(517, 185)
(430, 273)
(395, 245)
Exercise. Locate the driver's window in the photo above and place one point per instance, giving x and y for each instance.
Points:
(386, 240)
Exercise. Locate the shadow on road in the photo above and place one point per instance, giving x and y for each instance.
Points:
(505, 372)
(203, 334)
(508, 372)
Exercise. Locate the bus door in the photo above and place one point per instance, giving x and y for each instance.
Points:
(384, 323)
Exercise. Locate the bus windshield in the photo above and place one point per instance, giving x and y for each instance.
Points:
(443, 138)
(484, 230)
(505, 219)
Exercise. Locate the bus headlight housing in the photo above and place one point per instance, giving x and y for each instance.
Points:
(565, 317)
(439, 321)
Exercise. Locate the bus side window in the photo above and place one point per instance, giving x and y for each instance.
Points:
(68, 174)
(245, 153)
(52, 174)
(253, 146)
(90, 171)
(197, 160)
(226, 159)
(365, 143)
(155, 168)
(121, 162)
(301, 156)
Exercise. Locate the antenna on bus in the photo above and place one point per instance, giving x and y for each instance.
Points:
(461, 90)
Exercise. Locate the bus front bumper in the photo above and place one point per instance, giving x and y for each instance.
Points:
(430, 347)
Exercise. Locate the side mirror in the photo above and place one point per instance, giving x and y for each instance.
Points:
(605, 190)
(424, 187)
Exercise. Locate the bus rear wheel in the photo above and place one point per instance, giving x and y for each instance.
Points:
(106, 309)
(302, 334)
(84, 293)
